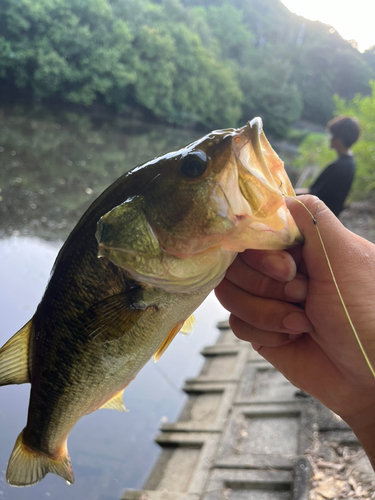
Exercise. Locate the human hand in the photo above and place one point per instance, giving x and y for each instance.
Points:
(287, 306)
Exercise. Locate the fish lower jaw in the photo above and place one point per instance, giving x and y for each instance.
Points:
(181, 254)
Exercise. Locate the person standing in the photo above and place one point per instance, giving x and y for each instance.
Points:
(333, 184)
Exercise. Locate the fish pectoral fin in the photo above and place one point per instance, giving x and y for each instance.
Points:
(112, 318)
(27, 467)
(168, 339)
(188, 326)
(185, 327)
(14, 357)
(115, 403)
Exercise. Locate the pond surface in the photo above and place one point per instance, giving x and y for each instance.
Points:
(51, 169)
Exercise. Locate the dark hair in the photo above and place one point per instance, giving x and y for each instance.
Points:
(345, 128)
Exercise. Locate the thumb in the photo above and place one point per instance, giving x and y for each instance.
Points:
(343, 247)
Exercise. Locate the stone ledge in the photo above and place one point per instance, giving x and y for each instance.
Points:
(222, 364)
(206, 409)
(223, 349)
(158, 495)
(241, 430)
(266, 435)
(184, 463)
(261, 382)
(244, 483)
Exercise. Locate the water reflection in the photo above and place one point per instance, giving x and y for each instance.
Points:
(49, 172)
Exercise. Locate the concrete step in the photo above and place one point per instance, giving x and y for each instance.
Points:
(244, 433)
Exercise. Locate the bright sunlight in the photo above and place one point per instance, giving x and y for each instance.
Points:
(353, 20)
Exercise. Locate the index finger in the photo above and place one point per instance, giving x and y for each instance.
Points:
(277, 264)
(245, 275)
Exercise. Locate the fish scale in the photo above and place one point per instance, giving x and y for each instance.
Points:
(141, 259)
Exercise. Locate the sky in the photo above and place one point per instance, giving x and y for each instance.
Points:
(352, 19)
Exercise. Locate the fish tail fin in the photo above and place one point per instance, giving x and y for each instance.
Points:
(27, 467)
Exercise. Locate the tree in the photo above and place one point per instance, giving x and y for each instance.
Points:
(178, 78)
(369, 57)
(362, 107)
(314, 152)
(71, 49)
(228, 28)
(269, 92)
(182, 61)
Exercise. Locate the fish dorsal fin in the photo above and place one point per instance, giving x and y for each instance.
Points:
(168, 339)
(14, 357)
(115, 403)
(188, 326)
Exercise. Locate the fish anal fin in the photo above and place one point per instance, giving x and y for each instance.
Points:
(168, 339)
(115, 403)
(27, 467)
(14, 357)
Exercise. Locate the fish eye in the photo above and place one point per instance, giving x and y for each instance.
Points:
(194, 164)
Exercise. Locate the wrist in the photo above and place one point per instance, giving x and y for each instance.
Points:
(363, 427)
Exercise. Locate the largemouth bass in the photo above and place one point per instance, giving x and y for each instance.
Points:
(139, 262)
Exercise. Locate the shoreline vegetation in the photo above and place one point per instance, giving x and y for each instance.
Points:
(192, 64)
(207, 63)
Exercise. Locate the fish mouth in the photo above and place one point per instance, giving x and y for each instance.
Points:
(258, 211)
(239, 203)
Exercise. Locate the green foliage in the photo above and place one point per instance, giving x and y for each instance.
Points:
(314, 152)
(276, 99)
(203, 62)
(228, 28)
(296, 136)
(189, 84)
(119, 52)
(324, 65)
(263, 75)
(292, 67)
(67, 48)
(362, 107)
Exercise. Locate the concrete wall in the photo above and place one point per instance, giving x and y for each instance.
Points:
(244, 433)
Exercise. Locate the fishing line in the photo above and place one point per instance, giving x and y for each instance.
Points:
(368, 362)
(169, 382)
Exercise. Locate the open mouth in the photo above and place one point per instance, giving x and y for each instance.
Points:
(261, 217)
(262, 177)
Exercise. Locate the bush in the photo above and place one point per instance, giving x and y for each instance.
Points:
(364, 150)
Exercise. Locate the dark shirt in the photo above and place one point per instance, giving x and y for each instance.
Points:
(333, 184)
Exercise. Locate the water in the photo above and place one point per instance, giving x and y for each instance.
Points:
(51, 169)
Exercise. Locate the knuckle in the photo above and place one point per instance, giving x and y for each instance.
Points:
(263, 285)
(241, 330)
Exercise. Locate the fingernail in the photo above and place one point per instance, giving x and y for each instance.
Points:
(296, 289)
(298, 322)
(279, 267)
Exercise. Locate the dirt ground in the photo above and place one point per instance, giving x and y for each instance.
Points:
(359, 217)
(344, 471)
(346, 474)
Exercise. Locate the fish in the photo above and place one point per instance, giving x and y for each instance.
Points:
(129, 277)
